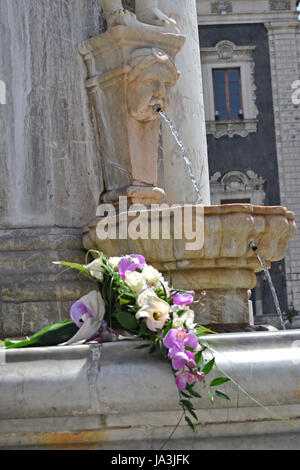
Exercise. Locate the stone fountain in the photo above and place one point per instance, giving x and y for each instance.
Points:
(131, 71)
(82, 396)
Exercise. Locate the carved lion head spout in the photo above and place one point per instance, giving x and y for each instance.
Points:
(153, 73)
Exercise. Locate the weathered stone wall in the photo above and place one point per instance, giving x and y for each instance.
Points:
(284, 41)
(50, 172)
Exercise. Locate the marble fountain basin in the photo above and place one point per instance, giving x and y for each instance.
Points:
(112, 396)
(227, 233)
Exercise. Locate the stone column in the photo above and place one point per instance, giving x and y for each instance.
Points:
(284, 42)
(187, 112)
(50, 176)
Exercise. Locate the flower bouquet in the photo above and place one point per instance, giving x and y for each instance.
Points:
(132, 298)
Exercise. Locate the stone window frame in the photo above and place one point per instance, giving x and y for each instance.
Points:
(226, 54)
(236, 185)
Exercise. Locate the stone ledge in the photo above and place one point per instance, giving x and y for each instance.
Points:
(113, 396)
(40, 238)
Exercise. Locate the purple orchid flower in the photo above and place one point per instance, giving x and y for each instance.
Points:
(182, 359)
(139, 260)
(183, 299)
(104, 335)
(176, 340)
(185, 378)
(79, 313)
(188, 378)
(131, 263)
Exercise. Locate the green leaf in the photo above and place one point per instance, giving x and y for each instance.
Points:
(143, 329)
(153, 348)
(193, 414)
(186, 395)
(127, 320)
(222, 395)
(167, 328)
(187, 404)
(190, 423)
(164, 290)
(198, 358)
(208, 367)
(211, 396)
(194, 394)
(142, 346)
(201, 331)
(51, 335)
(78, 267)
(219, 381)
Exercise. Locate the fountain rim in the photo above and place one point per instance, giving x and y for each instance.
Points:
(219, 210)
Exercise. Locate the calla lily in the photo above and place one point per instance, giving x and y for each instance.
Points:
(156, 311)
(90, 309)
(80, 312)
(142, 298)
(96, 269)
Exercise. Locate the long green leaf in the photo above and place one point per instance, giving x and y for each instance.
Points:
(190, 423)
(51, 335)
(208, 367)
(219, 381)
(194, 394)
(193, 414)
(222, 395)
(187, 404)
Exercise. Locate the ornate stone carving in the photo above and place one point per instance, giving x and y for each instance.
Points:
(148, 15)
(279, 5)
(129, 76)
(231, 128)
(225, 50)
(237, 185)
(217, 7)
(225, 261)
(152, 75)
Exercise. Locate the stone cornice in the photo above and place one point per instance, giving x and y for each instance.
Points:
(244, 11)
(281, 27)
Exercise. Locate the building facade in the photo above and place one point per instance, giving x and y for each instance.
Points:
(250, 53)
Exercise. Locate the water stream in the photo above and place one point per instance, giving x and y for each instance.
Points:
(269, 279)
(186, 159)
(188, 164)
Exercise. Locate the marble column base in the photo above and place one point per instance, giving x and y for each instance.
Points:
(32, 292)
